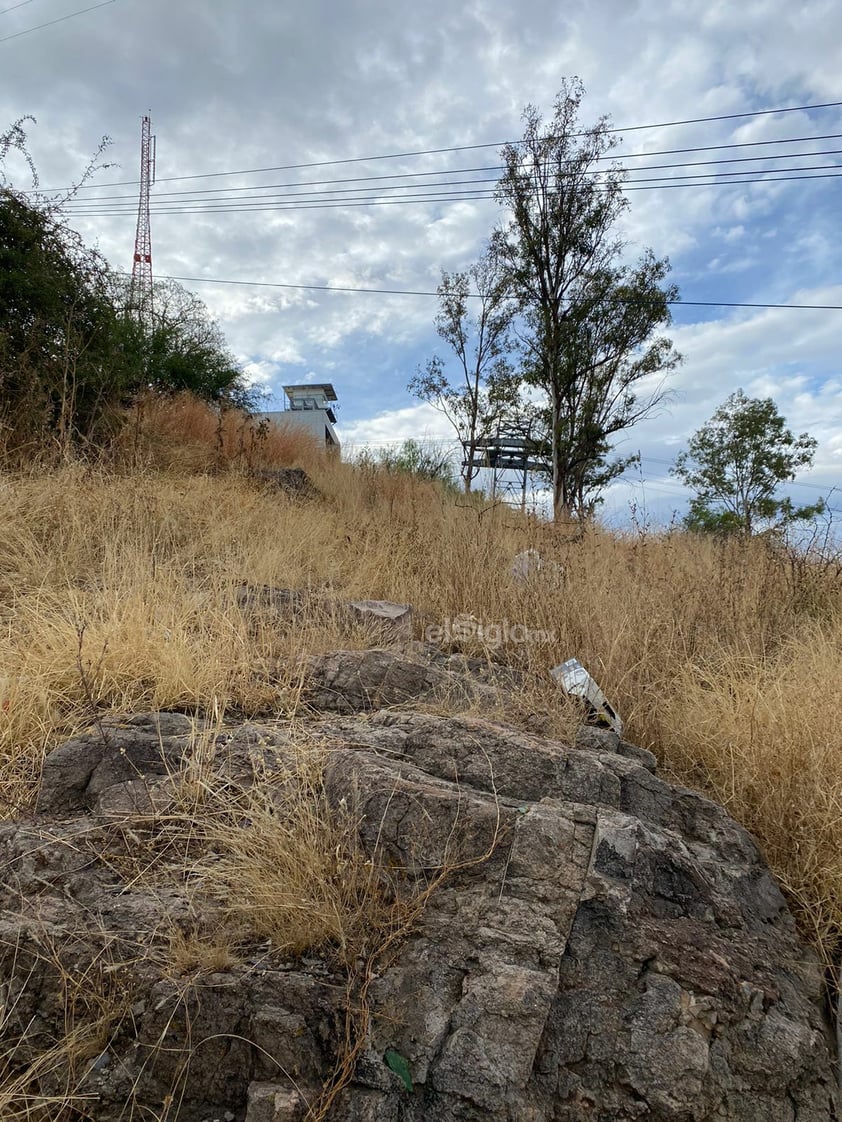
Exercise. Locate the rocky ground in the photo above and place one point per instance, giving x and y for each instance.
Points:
(595, 942)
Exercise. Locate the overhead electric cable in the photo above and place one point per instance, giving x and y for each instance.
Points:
(449, 171)
(61, 19)
(218, 193)
(730, 116)
(439, 197)
(93, 206)
(499, 143)
(494, 144)
(736, 182)
(419, 292)
(723, 147)
(15, 7)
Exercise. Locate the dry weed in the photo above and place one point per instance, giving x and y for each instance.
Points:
(722, 656)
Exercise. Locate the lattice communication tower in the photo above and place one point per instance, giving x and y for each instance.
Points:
(141, 289)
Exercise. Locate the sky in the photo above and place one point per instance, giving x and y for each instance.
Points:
(323, 91)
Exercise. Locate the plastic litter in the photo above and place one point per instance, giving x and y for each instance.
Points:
(526, 565)
(577, 682)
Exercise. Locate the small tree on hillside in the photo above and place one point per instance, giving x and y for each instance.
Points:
(736, 463)
(71, 356)
(486, 390)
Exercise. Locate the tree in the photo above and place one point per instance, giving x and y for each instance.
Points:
(737, 461)
(183, 349)
(58, 374)
(587, 318)
(71, 355)
(58, 377)
(487, 390)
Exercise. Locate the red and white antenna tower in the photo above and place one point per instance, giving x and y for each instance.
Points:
(141, 289)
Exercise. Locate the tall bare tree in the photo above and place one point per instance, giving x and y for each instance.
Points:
(486, 389)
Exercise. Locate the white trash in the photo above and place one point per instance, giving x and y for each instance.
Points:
(577, 682)
(526, 564)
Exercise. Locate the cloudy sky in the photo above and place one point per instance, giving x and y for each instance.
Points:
(259, 108)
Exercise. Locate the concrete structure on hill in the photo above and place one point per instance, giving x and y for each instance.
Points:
(309, 407)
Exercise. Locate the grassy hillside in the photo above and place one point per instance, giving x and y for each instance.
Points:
(118, 590)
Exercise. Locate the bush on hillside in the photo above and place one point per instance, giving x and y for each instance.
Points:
(73, 354)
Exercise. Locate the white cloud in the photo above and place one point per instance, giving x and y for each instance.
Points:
(280, 85)
(417, 422)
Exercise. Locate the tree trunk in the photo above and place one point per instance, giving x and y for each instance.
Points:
(561, 507)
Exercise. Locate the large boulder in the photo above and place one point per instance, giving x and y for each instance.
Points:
(598, 944)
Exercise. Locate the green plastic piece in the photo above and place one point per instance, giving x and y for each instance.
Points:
(397, 1063)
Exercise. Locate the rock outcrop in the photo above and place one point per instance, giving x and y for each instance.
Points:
(605, 945)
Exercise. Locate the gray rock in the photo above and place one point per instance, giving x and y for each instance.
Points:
(292, 481)
(604, 740)
(605, 945)
(133, 753)
(267, 599)
(384, 617)
(272, 1102)
(358, 681)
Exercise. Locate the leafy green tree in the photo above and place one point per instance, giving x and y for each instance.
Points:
(71, 355)
(588, 318)
(603, 358)
(57, 370)
(736, 463)
(183, 349)
(486, 391)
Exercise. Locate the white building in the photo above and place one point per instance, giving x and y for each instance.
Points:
(309, 407)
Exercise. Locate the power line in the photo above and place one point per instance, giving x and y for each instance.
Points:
(723, 147)
(435, 198)
(15, 7)
(477, 147)
(301, 189)
(419, 292)
(471, 188)
(302, 200)
(731, 116)
(498, 144)
(222, 191)
(736, 182)
(448, 171)
(61, 19)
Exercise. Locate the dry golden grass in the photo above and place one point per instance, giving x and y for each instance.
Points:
(183, 433)
(271, 860)
(121, 589)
